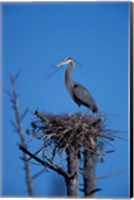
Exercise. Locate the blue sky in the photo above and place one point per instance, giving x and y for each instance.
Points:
(38, 36)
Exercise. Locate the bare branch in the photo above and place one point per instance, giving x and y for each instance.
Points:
(24, 114)
(38, 174)
(13, 124)
(94, 191)
(44, 163)
(41, 116)
(8, 93)
(17, 75)
(18, 127)
(110, 175)
(37, 152)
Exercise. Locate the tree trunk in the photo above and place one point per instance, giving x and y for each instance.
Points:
(89, 174)
(72, 183)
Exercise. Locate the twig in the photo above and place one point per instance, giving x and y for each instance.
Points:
(24, 114)
(110, 175)
(37, 152)
(39, 173)
(42, 117)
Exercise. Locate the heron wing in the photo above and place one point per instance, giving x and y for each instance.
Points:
(83, 96)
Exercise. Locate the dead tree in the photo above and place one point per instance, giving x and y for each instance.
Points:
(17, 124)
(74, 135)
(66, 141)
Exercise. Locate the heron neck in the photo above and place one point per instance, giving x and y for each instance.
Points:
(68, 79)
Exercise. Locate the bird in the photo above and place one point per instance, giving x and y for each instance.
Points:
(79, 93)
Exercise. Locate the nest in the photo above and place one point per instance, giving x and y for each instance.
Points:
(63, 132)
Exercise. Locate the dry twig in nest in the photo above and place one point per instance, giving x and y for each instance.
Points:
(75, 131)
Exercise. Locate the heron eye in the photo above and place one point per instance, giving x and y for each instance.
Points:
(69, 58)
(75, 86)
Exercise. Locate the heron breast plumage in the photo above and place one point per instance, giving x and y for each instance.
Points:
(82, 97)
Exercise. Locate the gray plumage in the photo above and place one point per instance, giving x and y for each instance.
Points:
(79, 93)
(82, 97)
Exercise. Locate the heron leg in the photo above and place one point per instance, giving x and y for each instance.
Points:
(80, 111)
(80, 115)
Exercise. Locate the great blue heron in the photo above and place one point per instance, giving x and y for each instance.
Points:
(79, 93)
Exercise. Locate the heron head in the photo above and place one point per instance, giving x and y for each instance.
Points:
(64, 62)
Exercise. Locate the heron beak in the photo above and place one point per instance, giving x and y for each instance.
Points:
(61, 63)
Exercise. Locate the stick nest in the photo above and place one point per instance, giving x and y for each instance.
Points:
(62, 132)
